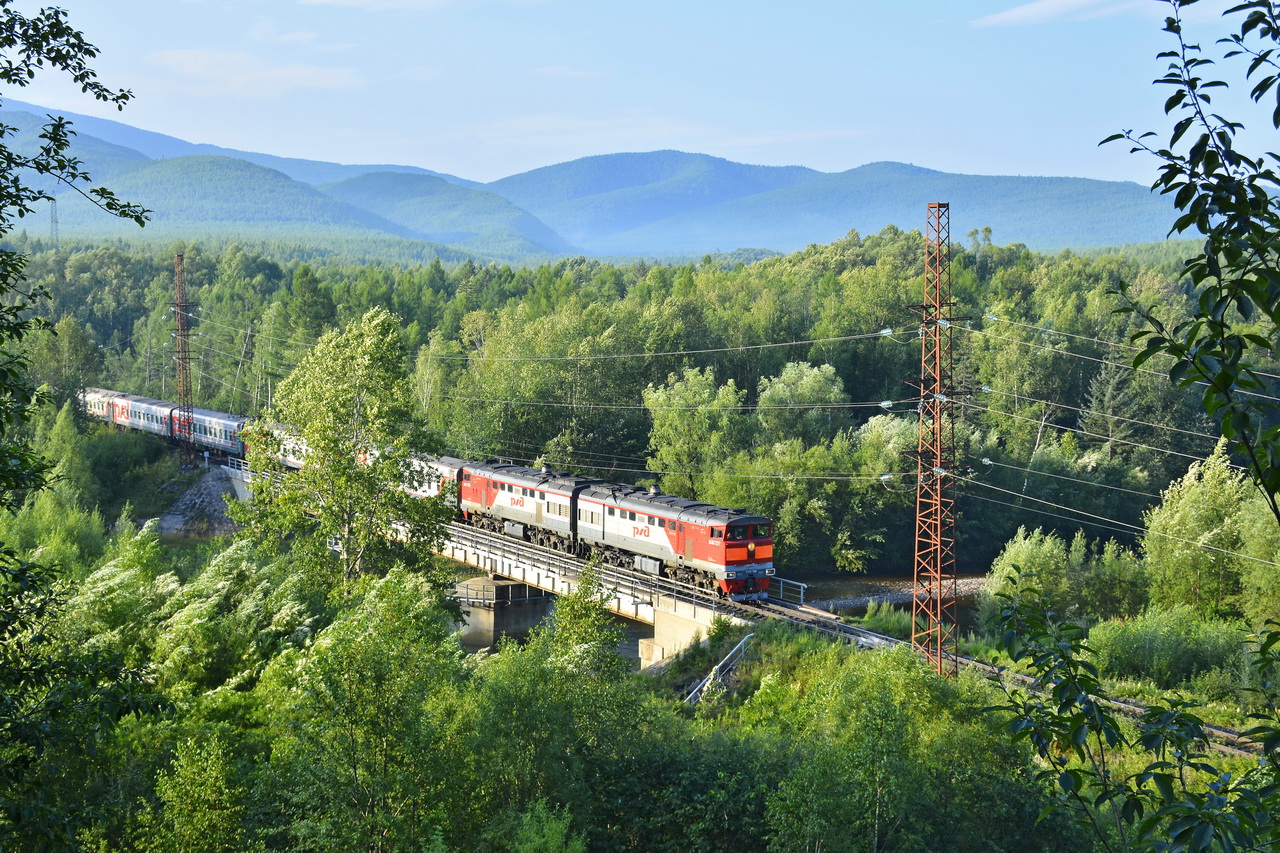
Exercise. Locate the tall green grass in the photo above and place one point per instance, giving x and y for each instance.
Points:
(1169, 647)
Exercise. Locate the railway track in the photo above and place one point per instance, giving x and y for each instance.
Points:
(807, 618)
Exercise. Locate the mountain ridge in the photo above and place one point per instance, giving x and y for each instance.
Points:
(652, 204)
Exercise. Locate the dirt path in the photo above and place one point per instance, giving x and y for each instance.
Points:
(202, 509)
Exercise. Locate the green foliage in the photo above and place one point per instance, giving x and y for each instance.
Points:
(1180, 799)
(347, 410)
(883, 618)
(1226, 196)
(56, 703)
(203, 804)
(1091, 583)
(1193, 538)
(1169, 647)
(357, 756)
(545, 831)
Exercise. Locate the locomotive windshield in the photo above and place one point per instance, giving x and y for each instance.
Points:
(762, 531)
(737, 532)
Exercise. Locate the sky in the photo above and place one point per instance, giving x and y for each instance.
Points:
(488, 88)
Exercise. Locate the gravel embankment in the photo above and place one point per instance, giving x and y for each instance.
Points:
(202, 509)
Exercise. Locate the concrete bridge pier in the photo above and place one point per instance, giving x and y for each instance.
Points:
(497, 607)
(677, 624)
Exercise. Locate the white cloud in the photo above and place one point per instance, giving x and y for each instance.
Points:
(243, 74)
(1046, 11)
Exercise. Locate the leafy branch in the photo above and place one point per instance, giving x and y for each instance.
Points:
(1180, 800)
(1227, 196)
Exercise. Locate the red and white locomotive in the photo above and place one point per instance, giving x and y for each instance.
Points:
(729, 551)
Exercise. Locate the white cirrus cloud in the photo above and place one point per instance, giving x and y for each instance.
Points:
(1048, 11)
(246, 75)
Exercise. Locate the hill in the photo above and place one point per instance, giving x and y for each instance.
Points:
(593, 198)
(447, 213)
(653, 204)
(221, 196)
(1044, 213)
(158, 146)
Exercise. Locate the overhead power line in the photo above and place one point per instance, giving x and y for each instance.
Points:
(883, 333)
(988, 461)
(883, 404)
(987, 389)
(969, 405)
(1097, 360)
(1131, 527)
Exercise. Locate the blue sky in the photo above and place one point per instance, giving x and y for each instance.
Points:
(488, 88)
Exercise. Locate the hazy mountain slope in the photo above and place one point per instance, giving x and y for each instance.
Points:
(196, 196)
(1044, 213)
(103, 159)
(594, 197)
(160, 146)
(448, 213)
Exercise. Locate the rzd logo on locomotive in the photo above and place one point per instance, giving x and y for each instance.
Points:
(517, 501)
(640, 531)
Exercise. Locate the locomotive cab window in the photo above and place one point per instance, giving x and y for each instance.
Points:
(761, 531)
(662, 524)
(738, 532)
(611, 511)
(717, 533)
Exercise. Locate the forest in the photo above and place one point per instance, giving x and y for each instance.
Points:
(300, 684)
(264, 697)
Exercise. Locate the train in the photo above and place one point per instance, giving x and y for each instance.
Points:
(723, 550)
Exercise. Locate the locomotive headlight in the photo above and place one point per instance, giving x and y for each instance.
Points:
(730, 575)
(768, 571)
(751, 548)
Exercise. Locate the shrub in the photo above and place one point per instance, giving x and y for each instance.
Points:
(1169, 647)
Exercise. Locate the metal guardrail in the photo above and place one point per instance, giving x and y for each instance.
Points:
(719, 671)
(787, 591)
(482, 595)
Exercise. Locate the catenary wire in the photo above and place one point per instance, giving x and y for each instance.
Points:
(642, 406)
(1091, 340)
(1104, 361)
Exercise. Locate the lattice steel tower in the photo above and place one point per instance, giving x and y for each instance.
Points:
(182, 354)
(934, 606)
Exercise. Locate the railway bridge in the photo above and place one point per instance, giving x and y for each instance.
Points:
(678, 612)
(523, 578)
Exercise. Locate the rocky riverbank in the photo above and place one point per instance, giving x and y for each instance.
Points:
(965, 588)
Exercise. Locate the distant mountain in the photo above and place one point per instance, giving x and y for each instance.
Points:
(591, 199)
(655, 204)
(446, 213)
(158, 146)
(1044, 213)
(221, 196)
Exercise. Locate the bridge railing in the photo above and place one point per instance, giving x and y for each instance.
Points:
(720, 670)
(787, 591)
